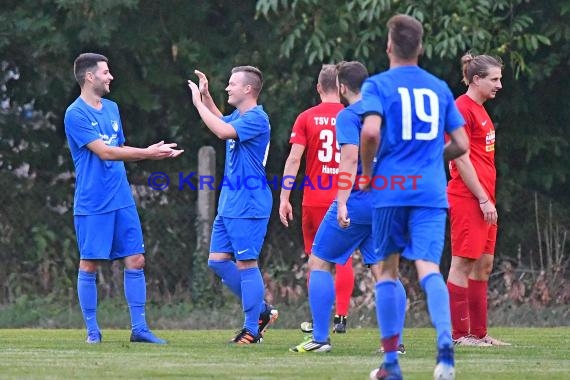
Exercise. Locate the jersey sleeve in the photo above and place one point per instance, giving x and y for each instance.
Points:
(453, 118)
(249, 125)
(120, 134)
(298, 134)
(371, 100)
(347, 128)
(79, 129)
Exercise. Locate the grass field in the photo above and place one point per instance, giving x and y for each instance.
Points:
(62, 354)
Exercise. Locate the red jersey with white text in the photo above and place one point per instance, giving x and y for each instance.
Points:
(315, 130)
(481, 132)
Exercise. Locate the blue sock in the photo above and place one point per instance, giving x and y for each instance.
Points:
(228, 271)
(252, 291)
(87, 294)
(401, 301)
(388, 316)
(135, 293)
(438, 306)
(321, 300)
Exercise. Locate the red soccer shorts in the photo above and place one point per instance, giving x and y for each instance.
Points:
(311, 220)
(471, 236)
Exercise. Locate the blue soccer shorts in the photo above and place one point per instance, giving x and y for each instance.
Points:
(336, 244)
(417, 233)
(241, 237)
(109, 236)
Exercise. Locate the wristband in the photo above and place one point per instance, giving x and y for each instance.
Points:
(482, 203)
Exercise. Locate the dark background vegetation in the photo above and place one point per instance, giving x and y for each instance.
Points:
(154, 46)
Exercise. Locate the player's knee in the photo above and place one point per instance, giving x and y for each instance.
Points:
(246, 264)
(90, 266)
(135, 262)
(316, 263)
(483, 271)
(460, 267)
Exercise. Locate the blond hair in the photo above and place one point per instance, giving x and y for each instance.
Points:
(478, 65)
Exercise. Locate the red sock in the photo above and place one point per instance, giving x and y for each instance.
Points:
(478, 307)
(344, 284)
(459, 306)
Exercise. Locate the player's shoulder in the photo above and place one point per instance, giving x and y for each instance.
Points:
(351, 111)
(465, 104)
(308, 111)
(463, 100)
(75, 105)
(256, 113)
(75, 110)
(437, 82)
(378, 83)
(377, 78)
(356, 107)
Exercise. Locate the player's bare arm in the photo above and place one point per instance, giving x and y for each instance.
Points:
(369, 143)
(347, 168)
(289, 174)
(457, 145)
(158, 151)
(205, 91)
(220, 128)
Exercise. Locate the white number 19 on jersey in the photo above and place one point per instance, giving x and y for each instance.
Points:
(430, 115)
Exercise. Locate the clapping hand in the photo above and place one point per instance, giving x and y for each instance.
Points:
(202, 82)
(196, 96)
(160, 150)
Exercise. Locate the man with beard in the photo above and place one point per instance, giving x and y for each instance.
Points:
(347, 225)
(106, 221)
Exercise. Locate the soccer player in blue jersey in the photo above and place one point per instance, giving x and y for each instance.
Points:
(347, 223)
(406, 112)
(243, 211)
(107, 224)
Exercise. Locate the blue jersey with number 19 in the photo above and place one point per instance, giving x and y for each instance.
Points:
(416, 109)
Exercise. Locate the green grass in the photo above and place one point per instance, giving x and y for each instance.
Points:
(203, 354)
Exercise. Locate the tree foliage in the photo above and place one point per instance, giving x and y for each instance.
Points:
(531, 38)
(154, 47)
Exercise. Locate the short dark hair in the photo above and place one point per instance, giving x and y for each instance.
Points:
(85, 62)
(479, 65)
(406, 35)
(352, 74)
(253, 77)
(327, 78)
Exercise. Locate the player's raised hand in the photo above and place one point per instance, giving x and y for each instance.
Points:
(196, 96)
(342, 216)
(285, 212)
(202, 82)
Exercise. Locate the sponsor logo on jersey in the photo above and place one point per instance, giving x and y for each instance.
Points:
(490, 141)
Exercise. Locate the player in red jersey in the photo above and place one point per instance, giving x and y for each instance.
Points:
(472, 202)
(314, 133)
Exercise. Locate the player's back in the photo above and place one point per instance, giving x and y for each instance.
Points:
(416, 109)
(315, 130)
